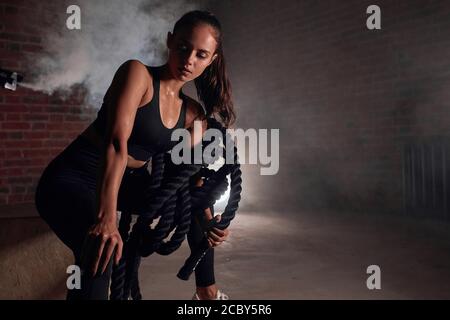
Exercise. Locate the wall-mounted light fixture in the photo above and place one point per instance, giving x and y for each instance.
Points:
(9, 79)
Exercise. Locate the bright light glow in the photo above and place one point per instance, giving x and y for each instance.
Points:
(222, 202)
(224, 198)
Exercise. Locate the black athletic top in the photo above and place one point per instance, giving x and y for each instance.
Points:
(149, 135)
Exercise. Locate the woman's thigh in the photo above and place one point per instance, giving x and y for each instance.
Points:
(66, 200)
(69, 210)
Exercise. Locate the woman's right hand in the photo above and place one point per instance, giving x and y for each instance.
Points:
(217, 236)
(99, 245)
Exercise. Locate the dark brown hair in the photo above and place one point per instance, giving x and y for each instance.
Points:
(213, 85)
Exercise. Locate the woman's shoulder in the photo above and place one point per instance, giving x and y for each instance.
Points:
(130, 72)
(136, 66)
(135, 70)
(133, 73)
(133, 63)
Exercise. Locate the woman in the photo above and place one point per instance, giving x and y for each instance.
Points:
(78, 192)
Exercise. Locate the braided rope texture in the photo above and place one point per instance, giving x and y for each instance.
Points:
(171, 195)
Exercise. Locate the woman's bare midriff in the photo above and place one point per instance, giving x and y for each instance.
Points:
(91, 134)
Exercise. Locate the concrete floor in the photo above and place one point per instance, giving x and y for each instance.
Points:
(317, 256)
(309, 255)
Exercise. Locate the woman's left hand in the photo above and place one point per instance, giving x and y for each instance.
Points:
(216, 236)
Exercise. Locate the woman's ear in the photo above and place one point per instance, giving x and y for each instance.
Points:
(212, 59)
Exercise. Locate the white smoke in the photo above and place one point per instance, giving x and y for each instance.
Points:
(112, 31)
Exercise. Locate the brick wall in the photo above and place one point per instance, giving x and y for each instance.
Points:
(34, 126)
(346, 99)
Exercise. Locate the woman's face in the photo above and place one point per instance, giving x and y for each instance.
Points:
(191, 51)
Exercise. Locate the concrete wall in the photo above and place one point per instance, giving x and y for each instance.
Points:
(346, 99)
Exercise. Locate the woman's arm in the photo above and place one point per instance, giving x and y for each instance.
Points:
(124, 95)
(128, 88)
(215, 236)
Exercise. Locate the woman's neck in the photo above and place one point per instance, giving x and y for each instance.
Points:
(171, 86)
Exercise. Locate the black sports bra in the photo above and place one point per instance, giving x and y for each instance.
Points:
(149, 135)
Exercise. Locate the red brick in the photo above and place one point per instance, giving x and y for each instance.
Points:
(79, 118)
(41, 99)
(16, 125)
(57, 109)
(13, 153)
(55, 143)
(34, 171)
(34, 39)
(12, 99)
(13, 37)
(58, 135)
(13, 107)
(10, 64)
(28, 198)
(18, 190)
(38, 126)
(24, 144)
(37, 135)
(56, 117)
(35, 117)
(56, 126)
(35, 153)
(15, 47)
(31, 48)
(15, 198)
(37, 162)
(13, 116)
(15, 135)
(13, 2)
(75, 126)
(19, 180)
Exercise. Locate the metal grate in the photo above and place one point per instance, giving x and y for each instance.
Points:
(425, 178)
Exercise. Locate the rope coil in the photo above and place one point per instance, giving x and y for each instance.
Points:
(171, 195)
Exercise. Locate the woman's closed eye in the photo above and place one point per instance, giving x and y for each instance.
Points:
(201, 55)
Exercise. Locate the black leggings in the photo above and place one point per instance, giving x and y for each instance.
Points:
(66, 200)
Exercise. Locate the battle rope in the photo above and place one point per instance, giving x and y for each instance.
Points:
(170, 194)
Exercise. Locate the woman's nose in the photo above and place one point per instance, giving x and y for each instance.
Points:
(190, 58)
